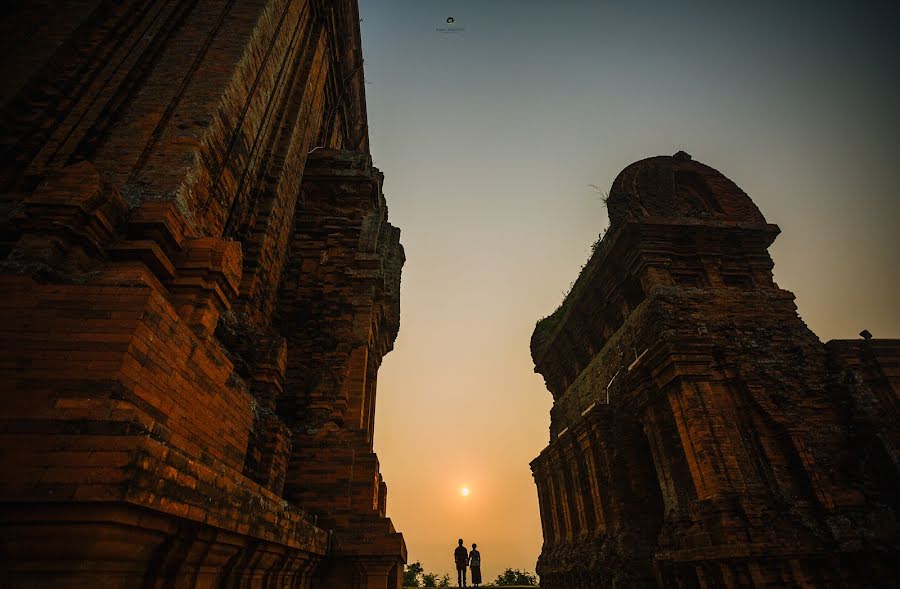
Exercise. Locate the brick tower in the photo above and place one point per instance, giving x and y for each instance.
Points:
(199, 284)
(701, 435)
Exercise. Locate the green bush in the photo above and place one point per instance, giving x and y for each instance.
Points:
(512, 577)
(411, 574)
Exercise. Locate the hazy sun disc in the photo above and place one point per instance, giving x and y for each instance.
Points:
(464, 491)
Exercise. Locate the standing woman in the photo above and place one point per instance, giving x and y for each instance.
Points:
(475, 565)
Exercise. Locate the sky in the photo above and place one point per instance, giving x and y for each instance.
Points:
(489, 133)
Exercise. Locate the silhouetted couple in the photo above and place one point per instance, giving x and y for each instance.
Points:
(463, 559)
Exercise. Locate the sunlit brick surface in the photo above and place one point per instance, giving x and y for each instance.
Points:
(199, 284)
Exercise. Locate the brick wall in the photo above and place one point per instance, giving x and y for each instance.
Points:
(155, 261)
(701, 434)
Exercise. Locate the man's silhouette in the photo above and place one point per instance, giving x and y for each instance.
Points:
(461, 556)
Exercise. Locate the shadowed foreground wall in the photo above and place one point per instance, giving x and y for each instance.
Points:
(199, 284)
(701, 435)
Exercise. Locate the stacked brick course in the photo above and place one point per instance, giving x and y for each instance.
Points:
(200, 282)
(701, 435)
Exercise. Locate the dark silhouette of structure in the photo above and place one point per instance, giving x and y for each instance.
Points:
(701, 435)
(199, 284)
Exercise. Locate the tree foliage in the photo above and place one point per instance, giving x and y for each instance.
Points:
(414, 575)
(512, 577)
(411, 574)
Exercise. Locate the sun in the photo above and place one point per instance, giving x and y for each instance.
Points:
(464, 491)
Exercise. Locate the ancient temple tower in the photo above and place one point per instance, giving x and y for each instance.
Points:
(701, 435)
(199, 285)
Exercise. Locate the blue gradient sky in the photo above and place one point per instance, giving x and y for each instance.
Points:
(489, 138)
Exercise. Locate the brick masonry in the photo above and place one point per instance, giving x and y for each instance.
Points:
(200, 283)
(701, 435)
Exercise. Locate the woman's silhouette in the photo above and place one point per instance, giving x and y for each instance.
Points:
(475, 565)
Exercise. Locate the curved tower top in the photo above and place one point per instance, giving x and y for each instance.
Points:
(678, 187)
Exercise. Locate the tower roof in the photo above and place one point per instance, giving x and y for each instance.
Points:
(678, 187)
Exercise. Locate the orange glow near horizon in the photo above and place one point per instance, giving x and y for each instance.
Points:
(488, 142)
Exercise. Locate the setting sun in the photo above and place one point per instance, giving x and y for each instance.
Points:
(464, 491)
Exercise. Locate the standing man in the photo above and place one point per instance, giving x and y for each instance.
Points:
(461, 556)
(475, 563)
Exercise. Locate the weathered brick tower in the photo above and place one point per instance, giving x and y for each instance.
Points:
(199, 284)
(701, 434)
